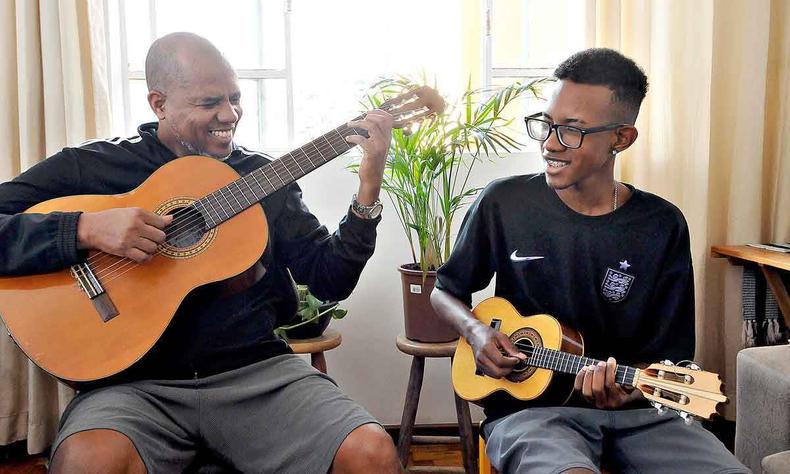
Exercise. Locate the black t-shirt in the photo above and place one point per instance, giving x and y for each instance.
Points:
(623, 279)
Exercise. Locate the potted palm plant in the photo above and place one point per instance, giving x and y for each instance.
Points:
(427, 180)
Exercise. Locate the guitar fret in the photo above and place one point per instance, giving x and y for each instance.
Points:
(263, 191)
(220, 204)
(341, 136)
(212, 208)
(261, 171)
(319, 152)
(290, 156)
(245, 190)
(330, 143)
(274, 168)
(234, 195)
(297, 161)
(209, 221)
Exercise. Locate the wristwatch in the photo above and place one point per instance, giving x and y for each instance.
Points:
(367, 212)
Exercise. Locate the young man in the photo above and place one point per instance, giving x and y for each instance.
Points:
(602, 257)
(218, 381)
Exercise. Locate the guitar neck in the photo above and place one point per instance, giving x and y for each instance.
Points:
(567, 363)
(237, 196)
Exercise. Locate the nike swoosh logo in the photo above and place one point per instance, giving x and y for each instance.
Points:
(516, 258)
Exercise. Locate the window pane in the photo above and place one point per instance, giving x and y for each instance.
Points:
(258, 29)
(334, 62)
(247, 130)
(264, 123)
(235, 27)
(140, 112)
(138, 33)
(536, 33)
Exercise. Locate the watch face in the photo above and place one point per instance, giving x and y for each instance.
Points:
(376, 211)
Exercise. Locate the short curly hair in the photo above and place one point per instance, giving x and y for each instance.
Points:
(607, 67)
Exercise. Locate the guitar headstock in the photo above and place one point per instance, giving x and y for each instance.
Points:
(414, 106)
(686, 389)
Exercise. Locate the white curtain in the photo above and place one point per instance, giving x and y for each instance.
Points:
(714, 135)
(53, 87)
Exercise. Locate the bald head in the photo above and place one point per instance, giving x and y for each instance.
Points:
(174, 58)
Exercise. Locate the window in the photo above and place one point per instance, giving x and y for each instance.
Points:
(304, 65)
(253, 34)
(527, 39)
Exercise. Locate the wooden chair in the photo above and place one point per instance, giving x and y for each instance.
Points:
(316, 347)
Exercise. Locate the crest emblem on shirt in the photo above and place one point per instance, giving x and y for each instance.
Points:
(616, 284)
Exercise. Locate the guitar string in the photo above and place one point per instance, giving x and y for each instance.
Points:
(110, 272)
(408, 113)
(94, 261)
(185, 227)
(552, 356)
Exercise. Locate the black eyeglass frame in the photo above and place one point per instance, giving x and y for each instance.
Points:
(582, 131)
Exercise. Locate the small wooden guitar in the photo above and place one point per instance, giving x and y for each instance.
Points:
(98, 317)
(553, 350)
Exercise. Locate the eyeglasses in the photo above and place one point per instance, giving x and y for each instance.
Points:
(569, 136)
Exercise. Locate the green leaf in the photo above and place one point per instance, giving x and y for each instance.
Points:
(427, 173)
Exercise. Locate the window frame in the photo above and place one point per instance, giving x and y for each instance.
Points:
(121, 75)
(489, 72)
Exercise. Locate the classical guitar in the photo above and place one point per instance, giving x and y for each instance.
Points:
(98, 317)
(555, 355)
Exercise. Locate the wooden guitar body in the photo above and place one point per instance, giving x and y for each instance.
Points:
(554, 355)
(56, 324)
(524, 383)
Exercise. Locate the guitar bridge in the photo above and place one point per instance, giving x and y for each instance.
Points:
(86, 279)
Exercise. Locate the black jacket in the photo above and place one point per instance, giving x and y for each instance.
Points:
(210, 333)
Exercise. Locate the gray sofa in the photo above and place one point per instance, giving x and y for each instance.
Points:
(762, 435)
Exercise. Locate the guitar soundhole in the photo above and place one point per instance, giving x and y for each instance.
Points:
(526, 339)
(187, 229)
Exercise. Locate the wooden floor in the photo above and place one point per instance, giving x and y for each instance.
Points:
(422, 455)
(14, 462)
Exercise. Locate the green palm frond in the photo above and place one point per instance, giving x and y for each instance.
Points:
(427, 171)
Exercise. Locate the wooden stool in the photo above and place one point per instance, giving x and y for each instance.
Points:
(316, 346)
(419, 351)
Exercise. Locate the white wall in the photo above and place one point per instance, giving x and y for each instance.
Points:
(367, 365)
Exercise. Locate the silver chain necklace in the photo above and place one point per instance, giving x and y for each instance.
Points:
(614, 202)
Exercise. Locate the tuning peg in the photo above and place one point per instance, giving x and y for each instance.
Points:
(690, 364)
(687, 419)
(667, 362)
(661, 409)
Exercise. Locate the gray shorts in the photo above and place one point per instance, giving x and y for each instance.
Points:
(554, 439)
(279, 415)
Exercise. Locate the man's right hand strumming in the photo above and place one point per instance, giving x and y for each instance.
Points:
(129, 232)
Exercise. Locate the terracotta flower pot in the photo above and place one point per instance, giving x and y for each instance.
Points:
(422, 323)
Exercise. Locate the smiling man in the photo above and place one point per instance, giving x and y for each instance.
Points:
(602, 257)
(218, 384)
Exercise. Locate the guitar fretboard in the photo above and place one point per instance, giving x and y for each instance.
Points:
(237, 196)
(571, 364)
